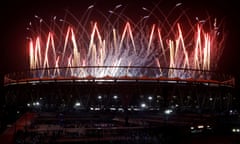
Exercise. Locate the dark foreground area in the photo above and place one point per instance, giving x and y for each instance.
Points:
(118, 128)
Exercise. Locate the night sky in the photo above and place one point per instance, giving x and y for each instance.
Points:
(15, 17)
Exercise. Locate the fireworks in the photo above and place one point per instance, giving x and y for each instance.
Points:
(121, 47)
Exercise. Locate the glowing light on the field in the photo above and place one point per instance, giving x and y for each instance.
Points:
(168, 111)
(143, 105)
(150, 98)
(77, 104)
(99, 97)
(115, 97)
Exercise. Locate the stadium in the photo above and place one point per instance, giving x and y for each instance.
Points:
(121, 81)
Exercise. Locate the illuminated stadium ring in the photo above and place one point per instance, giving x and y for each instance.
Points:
(145, 74)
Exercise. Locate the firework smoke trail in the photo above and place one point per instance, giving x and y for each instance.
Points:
(123, 48)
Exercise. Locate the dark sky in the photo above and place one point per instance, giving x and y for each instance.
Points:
(15, 17)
